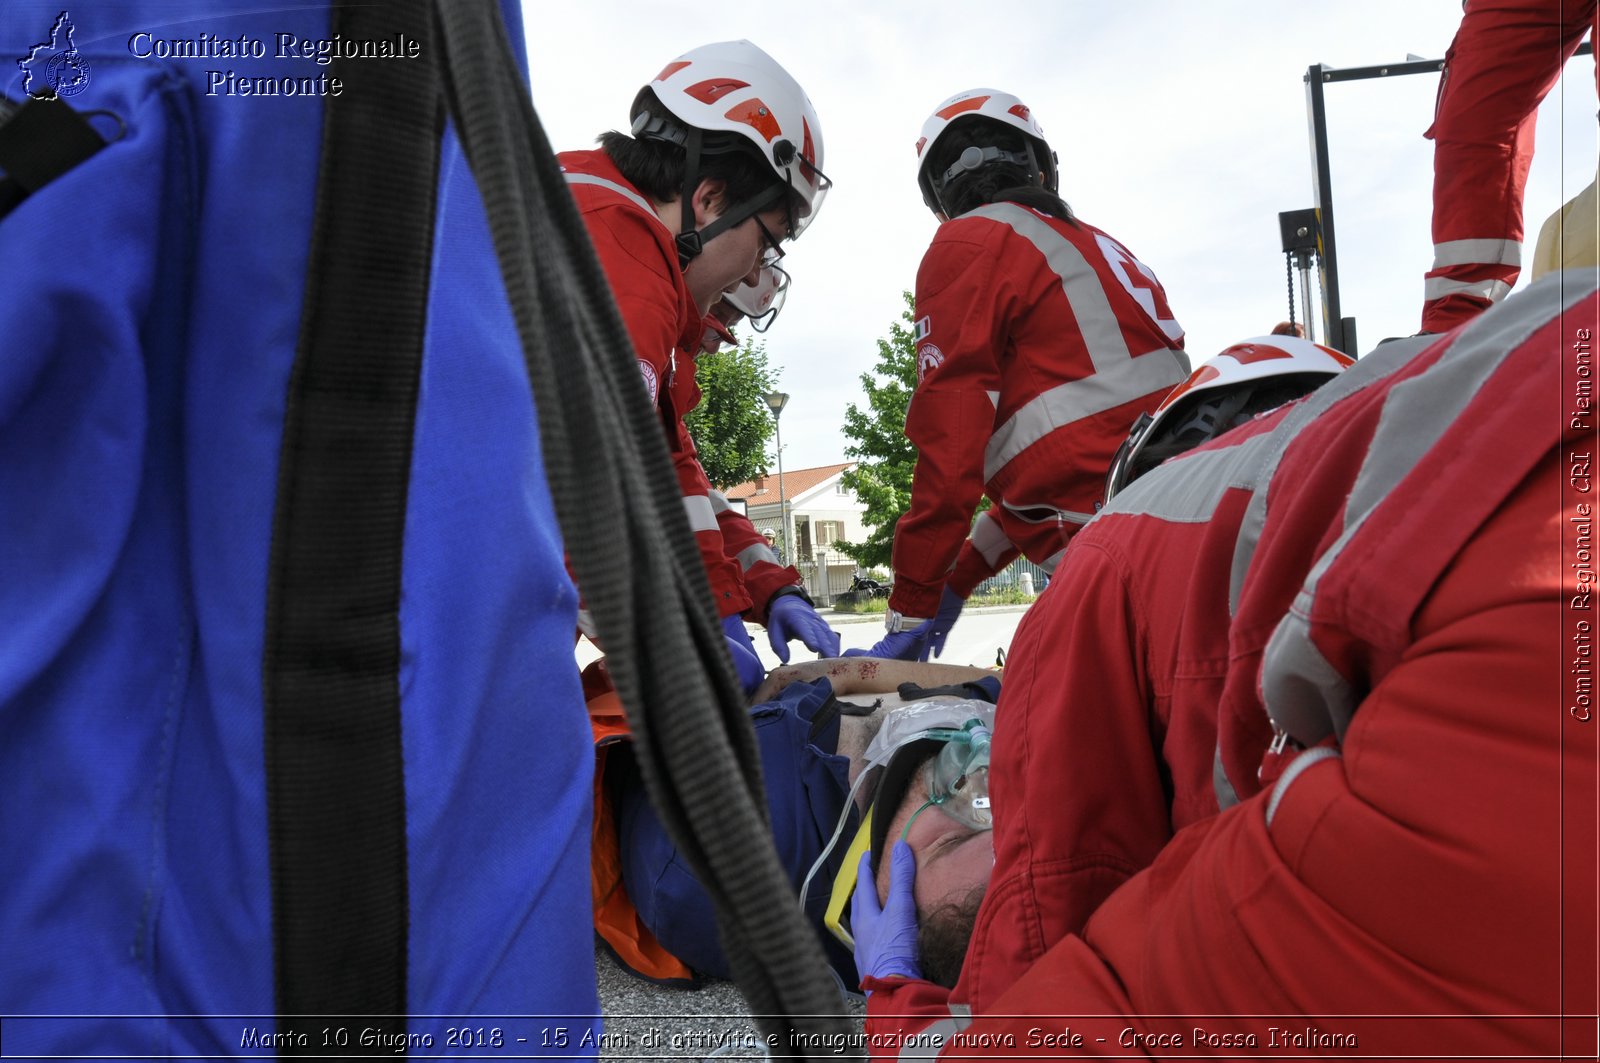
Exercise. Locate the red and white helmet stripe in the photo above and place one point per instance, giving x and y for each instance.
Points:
(735, 87)
(1248, 361)
(992, 104)
(1256, 359)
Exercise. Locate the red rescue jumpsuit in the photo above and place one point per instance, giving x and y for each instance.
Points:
(1504, 59)
(1039, 342)
(764, 574)
(1411, 545)
(640, 260)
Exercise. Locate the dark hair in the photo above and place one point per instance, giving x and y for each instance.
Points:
(656, 167)
(1214, 413)
(944, 936)
(996, 182)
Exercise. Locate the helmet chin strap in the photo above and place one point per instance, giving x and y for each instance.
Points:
(692, 241)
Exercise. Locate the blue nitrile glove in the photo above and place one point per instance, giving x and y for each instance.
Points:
(950, 604)
(886, 938)
(896, 645)
(746, 664)
(790, 617)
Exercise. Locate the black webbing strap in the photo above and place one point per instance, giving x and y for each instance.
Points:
(628, 538)
(972, 691)
(833, 708)
(335, 783)
(39, 141)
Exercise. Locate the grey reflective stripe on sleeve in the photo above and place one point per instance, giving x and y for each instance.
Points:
(1305, 696)
(1493, 252)
(750, 556)
(1221, 785)
(1296, 768)
(1374, 367)
(929, 1041)
(702, 517)
(988, 539)
(1187, 489)
(1371, 369)
(626, 193)
(1420, 410)
(1076, 399)
(1097, 322)
(1439, 287)
(1118, 376)
(1049, 564)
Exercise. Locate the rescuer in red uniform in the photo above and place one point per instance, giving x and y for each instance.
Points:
(1039, 339)
(1400, 726)
(722, 164)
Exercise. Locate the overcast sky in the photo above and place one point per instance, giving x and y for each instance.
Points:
(1181, 129)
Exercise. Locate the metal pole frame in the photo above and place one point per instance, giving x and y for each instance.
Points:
(783, 499)
(1340, 330)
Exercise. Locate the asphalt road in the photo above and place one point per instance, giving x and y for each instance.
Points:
(648, 1022)
(976, 639)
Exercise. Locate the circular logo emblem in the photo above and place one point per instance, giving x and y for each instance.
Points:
(929, 358)
(651, 382)
(68, 73)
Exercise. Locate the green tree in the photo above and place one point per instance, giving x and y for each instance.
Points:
(732, 424)
(884, 456)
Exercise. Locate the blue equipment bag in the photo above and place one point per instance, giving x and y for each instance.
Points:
(292, 739)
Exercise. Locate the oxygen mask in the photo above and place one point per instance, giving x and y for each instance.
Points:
(958, 778)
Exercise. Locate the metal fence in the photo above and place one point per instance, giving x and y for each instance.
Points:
(830, 575)
(1012, 578)
(827, 576)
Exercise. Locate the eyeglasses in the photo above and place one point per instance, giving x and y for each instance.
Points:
(774, 250)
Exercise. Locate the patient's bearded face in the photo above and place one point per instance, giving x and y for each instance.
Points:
(952, 858)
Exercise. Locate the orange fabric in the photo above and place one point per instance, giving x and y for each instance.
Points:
(614, 917)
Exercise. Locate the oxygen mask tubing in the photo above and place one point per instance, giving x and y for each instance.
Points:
(958, 780)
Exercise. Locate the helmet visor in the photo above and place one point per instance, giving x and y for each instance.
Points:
(770, 303)
(808, 187)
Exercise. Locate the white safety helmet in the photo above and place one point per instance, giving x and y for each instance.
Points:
(1248, 378)
(761, 301)
(995, 106)
(733, 95)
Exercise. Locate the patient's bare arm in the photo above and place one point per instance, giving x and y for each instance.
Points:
(867, 675)
(866, 681)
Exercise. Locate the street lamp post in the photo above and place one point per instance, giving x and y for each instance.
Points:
(776, 401)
